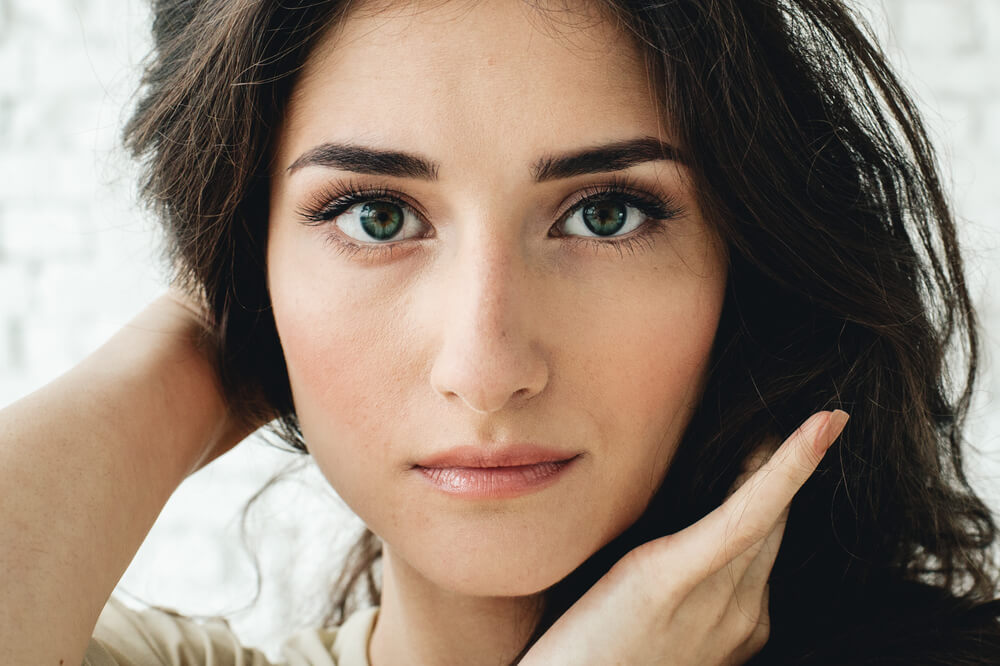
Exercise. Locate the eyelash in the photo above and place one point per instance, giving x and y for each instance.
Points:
(335, 200)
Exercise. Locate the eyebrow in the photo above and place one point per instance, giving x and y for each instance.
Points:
(615, 156)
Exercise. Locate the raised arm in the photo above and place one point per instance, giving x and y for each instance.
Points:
(86, 465)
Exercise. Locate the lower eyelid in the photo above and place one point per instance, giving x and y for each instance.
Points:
(644, 234)
(636, 241)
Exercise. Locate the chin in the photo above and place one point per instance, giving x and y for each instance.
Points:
(500, 572)
(508, 584)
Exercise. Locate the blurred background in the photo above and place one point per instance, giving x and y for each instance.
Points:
(78, 258)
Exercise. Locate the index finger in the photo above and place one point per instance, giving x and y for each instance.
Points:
(751, 512)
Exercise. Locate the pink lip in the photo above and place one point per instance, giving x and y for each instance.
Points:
(495, 482)
(479, 456)
(476, 473)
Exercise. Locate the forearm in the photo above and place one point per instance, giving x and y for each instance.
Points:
(86, 465)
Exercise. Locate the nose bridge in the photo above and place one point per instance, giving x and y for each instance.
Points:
(489, 353)
(491, 270)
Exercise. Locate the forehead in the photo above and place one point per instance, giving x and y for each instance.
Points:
(461, 80)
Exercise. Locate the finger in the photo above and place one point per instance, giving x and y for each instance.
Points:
(751, 512)
(754, 572)
(736, 588)
(760, 632)
(751, 623)
(750, 569)
(747, 614)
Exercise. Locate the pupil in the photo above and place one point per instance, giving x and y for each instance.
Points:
(381, 219)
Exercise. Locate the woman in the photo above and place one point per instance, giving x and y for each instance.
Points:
(537, 287)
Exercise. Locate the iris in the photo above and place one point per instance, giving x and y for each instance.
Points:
(381, 219)
(605, 218)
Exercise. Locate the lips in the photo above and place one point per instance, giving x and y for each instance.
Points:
(517, 455)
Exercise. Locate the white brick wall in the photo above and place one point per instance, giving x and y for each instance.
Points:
(77, 259)
(948, 51)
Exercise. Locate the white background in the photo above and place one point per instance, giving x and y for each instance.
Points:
(78, 258)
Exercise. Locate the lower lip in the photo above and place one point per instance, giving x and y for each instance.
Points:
(495, 482)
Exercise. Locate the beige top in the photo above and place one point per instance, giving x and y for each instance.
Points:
(127, 637)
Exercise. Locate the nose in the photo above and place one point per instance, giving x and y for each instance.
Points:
(490, 356)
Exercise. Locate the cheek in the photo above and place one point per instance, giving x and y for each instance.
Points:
(339, 358)
(651, 379)
(342, 354)
(672, 348)
(346, 354)
(643, 341)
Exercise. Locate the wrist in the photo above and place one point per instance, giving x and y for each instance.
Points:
(162, 364)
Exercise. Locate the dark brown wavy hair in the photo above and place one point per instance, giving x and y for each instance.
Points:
(846, 290)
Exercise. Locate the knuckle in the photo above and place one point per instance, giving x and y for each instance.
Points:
(751, 620)
(749, 625)
(738, 632)
(742, 618)
(744, 532)
(649, 563)
(801, 468)
(647, 557)
(758, 639)
(753, 641)
(810, 458)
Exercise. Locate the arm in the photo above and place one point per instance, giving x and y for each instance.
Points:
(86, 465)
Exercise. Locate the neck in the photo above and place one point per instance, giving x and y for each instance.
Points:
(422, 623)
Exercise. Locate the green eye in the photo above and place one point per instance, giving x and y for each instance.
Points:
(605, 217)
(381, 219)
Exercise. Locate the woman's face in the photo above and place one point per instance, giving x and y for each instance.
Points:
(490, 293)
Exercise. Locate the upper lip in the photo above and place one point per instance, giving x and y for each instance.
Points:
(484, 456)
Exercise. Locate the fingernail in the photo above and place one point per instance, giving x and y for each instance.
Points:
(834, 426)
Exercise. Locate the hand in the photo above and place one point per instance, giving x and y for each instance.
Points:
(179, 324)
(698, 596)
